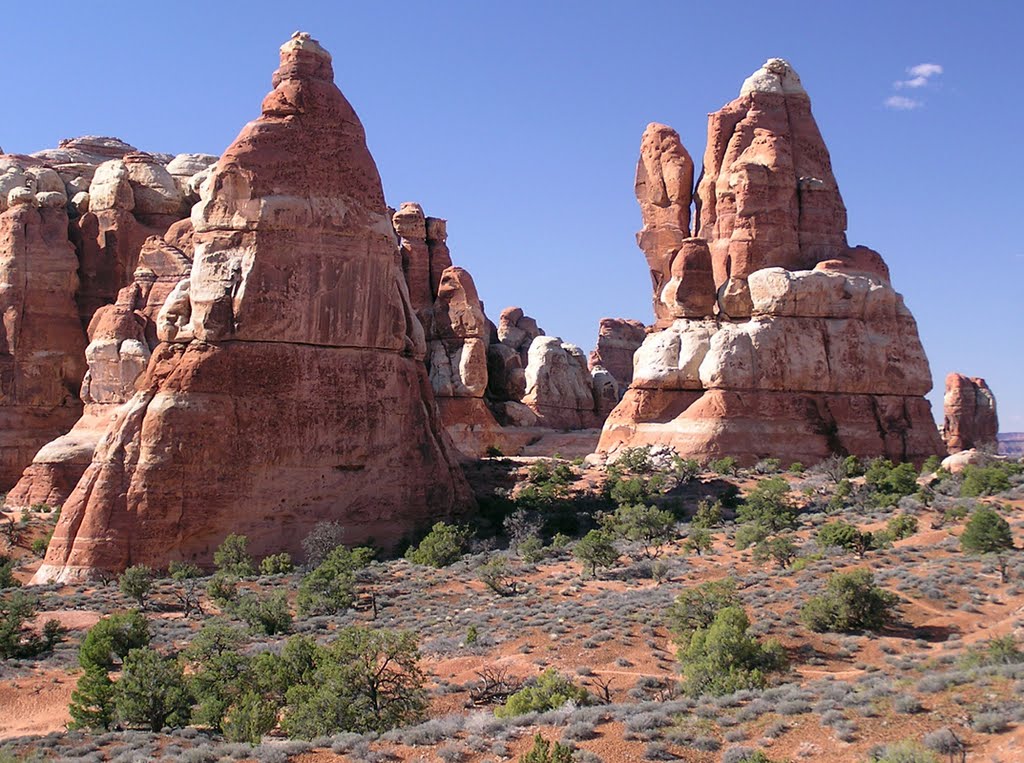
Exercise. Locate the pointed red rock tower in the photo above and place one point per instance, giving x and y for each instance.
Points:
(289, 385)
(776, 338)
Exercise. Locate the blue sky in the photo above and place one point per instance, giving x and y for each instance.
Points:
(521, 122)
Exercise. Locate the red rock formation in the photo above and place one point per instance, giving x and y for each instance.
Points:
(970, 414)
(617, 340)
(305, 397)
(41, 338)
(121, 338)
(130, 199)
(807, 350)
(559, 385)
(767, 195)
(664, 188)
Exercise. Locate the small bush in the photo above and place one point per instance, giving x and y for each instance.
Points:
(443, 545)
(331, 587)
(232, 557)
(276, 564)
(544, 751)
(725, 658)
(136, 583)
(851, 602)
(595, 550)
(550, 691)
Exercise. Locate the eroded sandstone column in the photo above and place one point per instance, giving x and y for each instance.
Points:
(289, 386)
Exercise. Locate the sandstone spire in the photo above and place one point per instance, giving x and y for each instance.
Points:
(806, 350)
(289, 385)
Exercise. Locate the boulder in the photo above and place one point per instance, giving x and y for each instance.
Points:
(559, 385)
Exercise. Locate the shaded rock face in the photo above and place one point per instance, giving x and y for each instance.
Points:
(121, 339)
(98, 199)
(618, 339)
(969, 409)
(457, 331)
(289, 385)
(42, 344)
(774, 338)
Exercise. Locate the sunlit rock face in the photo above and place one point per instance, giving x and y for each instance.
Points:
(288, 385)
(969, 409)
(773, 337)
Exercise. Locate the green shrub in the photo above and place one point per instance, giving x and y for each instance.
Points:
(724, 658)
(649, 526)
(443, 545)
(595, 550)
(988, 533)
(931, 465)
(151, 692)
(232, 557)
(852, 467)
(136, 583)
(276, 564)
(901, 526)
(92, 701)
(708, 514)
(39, 545)
(851, 602)
(797, 468)
(550, 691)
(497, 576)
(223, 589)
(7, 579)
(781, 549)
(986, 480)
(16, 638)
(531, 550)
(768, 506)
(112, 638)
(366, 680)
(249, 718)
(543, 752)
(219, 674)
(1002, 650)
(890, 483)
(698, 541)
(331, 587)
(725, 466)
(845, 536)
(636, 460)
(696, 608)
(269, 615)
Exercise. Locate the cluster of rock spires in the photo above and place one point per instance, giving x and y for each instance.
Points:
(489, 378)
(773, 337)
(195, 346)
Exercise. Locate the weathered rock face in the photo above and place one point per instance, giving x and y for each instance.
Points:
(969, 409)
(559, 385)
(805, 350)
(304, 395)
(457, 331)
(42, 343)
(130, 199)
(767, 195)
(121, 338)
(618, 339)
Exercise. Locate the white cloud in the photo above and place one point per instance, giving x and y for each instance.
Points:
(902, 103)
(920, 75)
(925, 70)
(915, 82)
